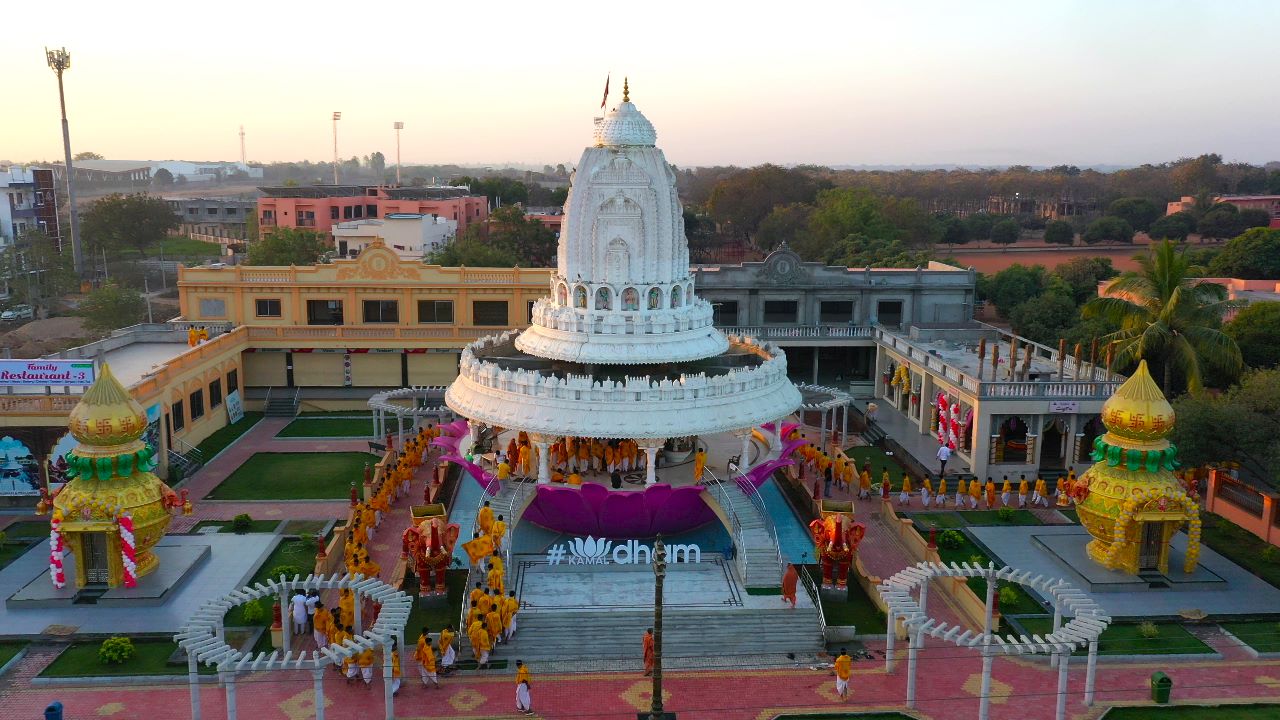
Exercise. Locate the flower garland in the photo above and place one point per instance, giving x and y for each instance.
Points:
(1140, 498)
(55, 551)
(125, 521)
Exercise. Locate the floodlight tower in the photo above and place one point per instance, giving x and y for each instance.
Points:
(60, 61)
(336, 117)
(398, 126)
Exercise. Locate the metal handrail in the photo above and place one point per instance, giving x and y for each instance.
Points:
(811, 588)
(753, 494)
(462, 613)
(735, 525)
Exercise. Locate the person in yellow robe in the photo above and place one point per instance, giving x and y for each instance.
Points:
(497, 531)
(976, 489)
(513, 607)
(962, 491)
(575, 479)
(524, 700)
(493, 625)
(395, 669)
(495, 578)
(1005, 490)
(347, 607)
(990, 489)
(582, 457)
(526, 460)
(610, 459)
(942, 492)
(480, 645)
(484, 518)
(1040, 496)
(557, 476)
(504, 470)
(426, 658)
(1023, 488)
(597, 455)
(513, 451)
(843, 669)
(700, 464)
(476, 613)
(478, 548)
(904, 495)
(448, 655)
(476, 593)
(1060, 488)
(364, 659)
(322, 625)
(368, 518)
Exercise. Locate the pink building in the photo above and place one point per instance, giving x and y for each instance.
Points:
(1239, 292)
(1269, 203)
(1254, 508)
(320, 207)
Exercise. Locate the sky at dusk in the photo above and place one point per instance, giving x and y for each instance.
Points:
(833, 83)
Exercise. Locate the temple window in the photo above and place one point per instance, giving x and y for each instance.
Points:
(604, 300)
(630, 299)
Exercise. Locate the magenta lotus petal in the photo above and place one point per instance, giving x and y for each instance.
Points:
(457, 428)
(758, 474)
(791, 445)
(448, 443)
(486, 480)
(595, 510)
(786, 427)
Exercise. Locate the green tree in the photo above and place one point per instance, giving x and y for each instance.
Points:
(1254, 218)
(1081, 276)
(163, 177)
(1168, 317)
(35, 270)
(1253, 255)
(499, 190)
(288, 246)
(1256, 329)
(1176, 226)
(472, 252)
(118, 222)
(377, 163)
(111, 306)
(1239, 425)
(860, 251)
(954, 231)
(1012, 286)
(1006, 232)
(527, 239)
(1059, 232)
(1196, 175)
(1108, 229)
(840, 213)
(979, 225)
(742, 200)
(86, 155)
(1044, 318)
(1220, 221)
(785, 224)
(1139, 212)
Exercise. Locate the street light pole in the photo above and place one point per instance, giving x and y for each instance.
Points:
(659, 574)
(60, 61)
(336, 117)
(398, 126)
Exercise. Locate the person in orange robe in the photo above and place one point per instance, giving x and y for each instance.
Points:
(789, 581)
(647, 645)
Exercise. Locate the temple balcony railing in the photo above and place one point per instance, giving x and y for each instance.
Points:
(802, 332)
(551, 315)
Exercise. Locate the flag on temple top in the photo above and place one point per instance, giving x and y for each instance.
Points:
(605, 99)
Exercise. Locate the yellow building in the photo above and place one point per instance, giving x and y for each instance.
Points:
(327, 335)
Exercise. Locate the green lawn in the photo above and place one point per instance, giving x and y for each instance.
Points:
(8, 650)
(858, 610)
(328, 427)
(224, 436)
(879, 463)
(992, 517)
(436, 615)
(151, 657)
(969, 552)
(336, 413)
(1196, 712)
(1261, 635)
(255, 526)
(294, 476)
(940, 520)
(1125, 640)
(32, 529)
(183, 246)
(11, 551)
(300, 553)
(1070, 514)
(307, 529)
(1241, 546)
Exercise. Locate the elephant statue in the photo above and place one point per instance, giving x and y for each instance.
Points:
(836, 538)
(429, 548)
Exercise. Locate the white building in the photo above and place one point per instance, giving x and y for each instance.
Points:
(411, 235)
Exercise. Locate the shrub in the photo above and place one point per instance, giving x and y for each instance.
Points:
(1005, 514)
(1148, 630)
(115, 650)
(1270, 553)
(950, 540)
(977, 560)
(287, 570)
(1008, 596)
(241, 523)
(256, 612)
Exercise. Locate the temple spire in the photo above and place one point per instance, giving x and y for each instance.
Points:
(626, 90)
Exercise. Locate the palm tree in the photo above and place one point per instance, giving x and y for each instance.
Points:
(1167, 316)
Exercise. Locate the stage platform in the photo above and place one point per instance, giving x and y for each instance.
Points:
(1219, 587)
(177, 562)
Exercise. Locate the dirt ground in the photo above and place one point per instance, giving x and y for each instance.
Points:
(41, 337)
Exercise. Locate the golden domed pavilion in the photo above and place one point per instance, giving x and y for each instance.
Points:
(111, 487)
(1130, 500)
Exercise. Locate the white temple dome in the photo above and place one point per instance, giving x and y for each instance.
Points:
(625, 125)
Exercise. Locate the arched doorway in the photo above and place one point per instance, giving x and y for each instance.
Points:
(1053, 443)
(1013, 440)
(1084, 439)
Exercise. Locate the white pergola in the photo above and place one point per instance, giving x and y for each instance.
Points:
(383, 405)
(204, 641)
(831, 404)
(1088, 620)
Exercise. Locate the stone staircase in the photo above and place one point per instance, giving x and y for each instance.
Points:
(280, 402)
(758, 560)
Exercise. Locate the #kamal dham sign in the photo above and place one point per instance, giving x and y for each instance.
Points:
(46, 372)
(598, 551)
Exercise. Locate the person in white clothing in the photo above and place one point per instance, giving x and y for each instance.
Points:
(313, 599)
(298, 611)
(944, 454)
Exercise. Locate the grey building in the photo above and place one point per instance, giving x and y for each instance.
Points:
(823, 316)
(220, 220)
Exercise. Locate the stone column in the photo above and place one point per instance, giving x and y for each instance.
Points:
(1091, 673)
(1060, 712)
(744, 436)
(543, 444)
(890, 632)
(193, 680)
(984, 700)
(914, 640)
(651, 447)
(1057, 625)
(388, 700)
(229, 679)
(317, 682)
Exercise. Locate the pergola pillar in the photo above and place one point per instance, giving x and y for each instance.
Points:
(388, 700)
(1091, 672)
(317, 684)
(984, 699)
(286, 622)
(193, 681)
(914, 639)
(1060, 712)
(1057, 625)
(355, 613)
(888, 642)
(229, 680)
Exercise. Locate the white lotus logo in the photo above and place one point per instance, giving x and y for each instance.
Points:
(591, 549)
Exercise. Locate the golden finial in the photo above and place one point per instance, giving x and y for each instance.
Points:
(626, 90)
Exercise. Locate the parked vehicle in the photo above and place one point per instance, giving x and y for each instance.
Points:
(17, 312)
